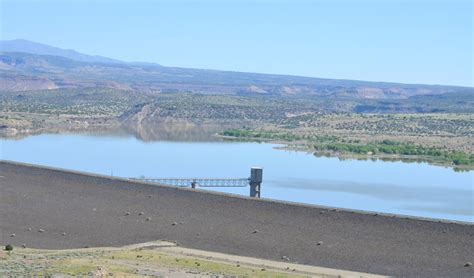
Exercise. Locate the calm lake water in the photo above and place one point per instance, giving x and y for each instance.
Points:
(405, 188)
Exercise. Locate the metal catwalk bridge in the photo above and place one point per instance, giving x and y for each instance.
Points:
(201, 182)
(254, 181)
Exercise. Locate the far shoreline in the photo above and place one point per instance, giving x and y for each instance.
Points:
(303, 147)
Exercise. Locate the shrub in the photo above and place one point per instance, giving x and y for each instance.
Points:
(8, 247)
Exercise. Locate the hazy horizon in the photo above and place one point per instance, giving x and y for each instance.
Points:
(414, 42)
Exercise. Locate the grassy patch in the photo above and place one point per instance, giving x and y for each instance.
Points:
(120, 262)
(328, 143)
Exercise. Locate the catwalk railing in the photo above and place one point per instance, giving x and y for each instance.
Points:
(254, 181)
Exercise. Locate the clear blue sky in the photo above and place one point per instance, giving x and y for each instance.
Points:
(417, 41)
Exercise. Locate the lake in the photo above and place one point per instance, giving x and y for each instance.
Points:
(416, 189)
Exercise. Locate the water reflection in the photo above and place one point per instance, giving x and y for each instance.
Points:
(405, 159)
(434, 199)
(180, 131)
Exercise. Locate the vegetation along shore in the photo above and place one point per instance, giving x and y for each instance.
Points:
(326, 126)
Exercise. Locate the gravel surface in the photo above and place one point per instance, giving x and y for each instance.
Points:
(53, 209)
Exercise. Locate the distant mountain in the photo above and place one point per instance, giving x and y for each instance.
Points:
(25, 69)
(43, 49)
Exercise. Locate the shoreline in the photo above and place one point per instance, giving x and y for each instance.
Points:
(91, 211)
(302, 147)
(292, 146)
(41, 123)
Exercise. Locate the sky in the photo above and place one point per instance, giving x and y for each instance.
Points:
(417, 41)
